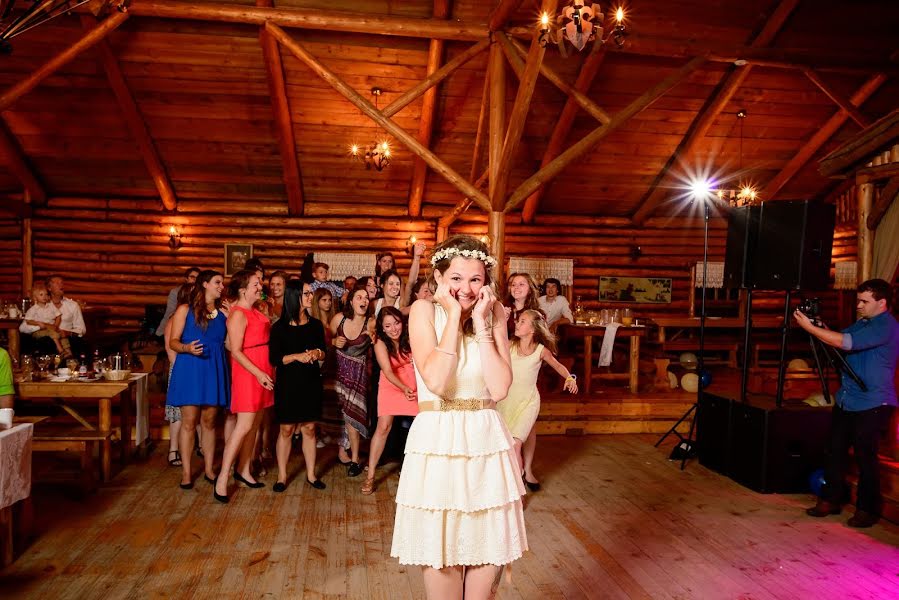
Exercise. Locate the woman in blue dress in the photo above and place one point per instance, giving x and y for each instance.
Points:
(201, 381)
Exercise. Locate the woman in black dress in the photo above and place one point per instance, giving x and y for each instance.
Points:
(297, 344)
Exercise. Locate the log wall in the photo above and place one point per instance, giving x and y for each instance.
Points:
(114, 252)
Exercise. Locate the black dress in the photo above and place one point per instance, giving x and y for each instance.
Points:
(298, 386)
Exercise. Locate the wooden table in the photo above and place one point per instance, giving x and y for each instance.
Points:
(12, 331)
(588, 332)
(685, 323)
(105, 393)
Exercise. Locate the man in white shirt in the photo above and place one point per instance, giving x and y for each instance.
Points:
(171, 303)
(72, 323)
(554, 306)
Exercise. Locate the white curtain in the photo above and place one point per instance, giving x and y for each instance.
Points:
(846, 275)
(886, 244)
(543, 268)
(344, 264)
(715, 273)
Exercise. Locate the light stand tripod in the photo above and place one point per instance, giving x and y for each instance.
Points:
(686, 445)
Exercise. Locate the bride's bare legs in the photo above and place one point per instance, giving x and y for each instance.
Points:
(443, 584)
(482, 582)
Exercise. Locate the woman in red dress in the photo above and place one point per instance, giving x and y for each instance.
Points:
(251, 380)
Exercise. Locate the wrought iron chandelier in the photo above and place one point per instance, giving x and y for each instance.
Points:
(744, 194)
(580, 24)
(377, 154)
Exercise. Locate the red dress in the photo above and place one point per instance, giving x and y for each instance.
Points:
(246, 393)
(391, 399)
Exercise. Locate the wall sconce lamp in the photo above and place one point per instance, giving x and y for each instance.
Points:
(174, 238)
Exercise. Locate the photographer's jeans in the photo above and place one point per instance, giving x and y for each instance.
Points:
(862, 431)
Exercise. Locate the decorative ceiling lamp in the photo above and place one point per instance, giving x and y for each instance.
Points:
(744, 194)
(580, 24)
(42, 11)
(377, 154)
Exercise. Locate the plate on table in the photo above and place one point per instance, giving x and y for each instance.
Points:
(87, 379)
(59, 379)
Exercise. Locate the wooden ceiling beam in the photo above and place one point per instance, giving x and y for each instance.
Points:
(563, 127)
(502, 13)
(133, 119)
(557, 165)
(714, 105)
(439, 75)
(50, 67)
(496, 75)
(274, 70)
(520, 108)
(882, 204)
(426, 120)
(17, 163)
(369, 110)
(839, 99)
(514, 51)
(305, 18)
(820, 137)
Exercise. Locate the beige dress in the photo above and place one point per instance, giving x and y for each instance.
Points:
(522, 405)
(459, 496)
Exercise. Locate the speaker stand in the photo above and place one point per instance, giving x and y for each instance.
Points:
(782, 368)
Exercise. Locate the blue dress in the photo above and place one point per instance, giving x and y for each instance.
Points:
(203, 380)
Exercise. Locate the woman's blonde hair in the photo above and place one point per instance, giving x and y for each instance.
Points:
(542, 334)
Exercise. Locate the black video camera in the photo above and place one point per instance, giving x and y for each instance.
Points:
(811, 308)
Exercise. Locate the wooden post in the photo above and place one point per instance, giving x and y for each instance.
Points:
(497, 78)
(50, 67)
(496, 231)
(369, 110)
(558, 164)
(134, 120)
(27, 257)
(865, 236)
(293, 182)
(442, 233)
(426, 121)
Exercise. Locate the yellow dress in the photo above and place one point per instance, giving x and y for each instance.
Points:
(459, 496)
(522, 405)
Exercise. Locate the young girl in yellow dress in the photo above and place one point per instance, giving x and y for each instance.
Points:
(532, 345)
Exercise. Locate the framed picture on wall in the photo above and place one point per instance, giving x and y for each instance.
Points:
(651, 290)
(236, 256)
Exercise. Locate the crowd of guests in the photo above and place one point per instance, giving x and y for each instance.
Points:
(293, 363)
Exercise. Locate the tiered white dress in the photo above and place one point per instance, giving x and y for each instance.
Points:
(459, 496)
(522, 404)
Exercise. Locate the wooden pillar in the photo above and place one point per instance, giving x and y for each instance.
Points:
(497, 81)
(865, 197)
(27, 267)
(496, 230)
(442, 233)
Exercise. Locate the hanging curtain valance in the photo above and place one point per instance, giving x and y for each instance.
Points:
(845, 275)
(715, 273)
(544, 268)
(344, 264)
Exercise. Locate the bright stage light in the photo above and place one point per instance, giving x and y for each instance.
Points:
(700, 188)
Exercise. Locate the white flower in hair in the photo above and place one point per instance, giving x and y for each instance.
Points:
(451, 252)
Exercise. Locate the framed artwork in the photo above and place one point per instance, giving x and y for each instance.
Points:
(236, 256)
(651, 290)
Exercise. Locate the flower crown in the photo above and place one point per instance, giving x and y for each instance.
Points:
(451, 252)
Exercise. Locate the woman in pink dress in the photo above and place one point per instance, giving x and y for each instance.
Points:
(396, 388)
(251, 380)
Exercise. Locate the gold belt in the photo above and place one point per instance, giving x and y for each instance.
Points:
(454, 404)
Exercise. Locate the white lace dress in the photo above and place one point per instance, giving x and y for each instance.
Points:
(459, 496)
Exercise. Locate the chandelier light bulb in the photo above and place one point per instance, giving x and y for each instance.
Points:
(544, 20)
(619, 15)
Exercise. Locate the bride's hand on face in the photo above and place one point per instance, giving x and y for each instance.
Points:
(444, 297)
(484, 306)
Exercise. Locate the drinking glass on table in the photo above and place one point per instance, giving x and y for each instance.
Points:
(604, 316)
(627, 317)
(72, 365)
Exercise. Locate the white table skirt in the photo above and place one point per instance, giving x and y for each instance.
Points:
(15, 463)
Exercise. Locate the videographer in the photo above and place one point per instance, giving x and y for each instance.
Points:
(860, 417)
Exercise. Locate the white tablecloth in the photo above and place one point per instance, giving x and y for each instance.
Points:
(142, 407)
(15, 463)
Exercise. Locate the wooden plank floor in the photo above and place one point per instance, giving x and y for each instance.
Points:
(615, 519)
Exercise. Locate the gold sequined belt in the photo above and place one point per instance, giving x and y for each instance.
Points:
(455, 404)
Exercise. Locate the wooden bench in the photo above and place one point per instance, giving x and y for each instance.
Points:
(72, 438)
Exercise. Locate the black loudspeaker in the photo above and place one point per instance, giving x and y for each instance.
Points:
(713, 433)
(780, 246)
(776, 449)
(742, 238)
(794, 246)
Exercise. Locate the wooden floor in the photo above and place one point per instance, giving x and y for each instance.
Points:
(615, 519)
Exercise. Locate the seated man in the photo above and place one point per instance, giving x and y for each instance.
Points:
(554, 306)
(7, 391)
(71, 326)
(42, 321)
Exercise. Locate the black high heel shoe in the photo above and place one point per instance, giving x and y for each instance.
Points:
(223, 499)
(255, 486)
(186, 486)
(317, 484)
(533, 486)
(209, 479)
(354, 469)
